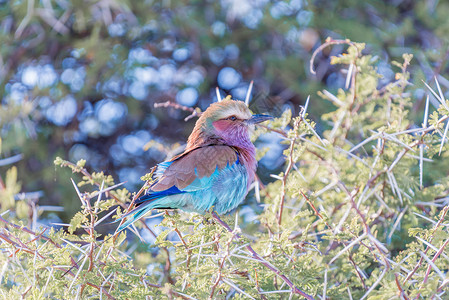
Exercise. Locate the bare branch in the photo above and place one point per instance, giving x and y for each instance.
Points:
(264, 262)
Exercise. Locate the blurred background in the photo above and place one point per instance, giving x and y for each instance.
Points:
(79, 79)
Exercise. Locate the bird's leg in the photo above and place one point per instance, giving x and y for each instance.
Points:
(222, 223)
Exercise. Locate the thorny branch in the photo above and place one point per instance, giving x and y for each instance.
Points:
(195, 112)
(85, 199)
(23, 247)
(220, 269)
(352, 71)
(189, 252)
(255, 255)
(443, 215)
(429, 267)
(351, 196)
(20, 246)
(287, 171)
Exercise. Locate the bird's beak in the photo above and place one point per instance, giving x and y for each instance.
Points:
(258, 119)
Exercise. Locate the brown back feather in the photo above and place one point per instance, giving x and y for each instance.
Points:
(181, 173)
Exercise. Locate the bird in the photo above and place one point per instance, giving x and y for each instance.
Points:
(215, 170)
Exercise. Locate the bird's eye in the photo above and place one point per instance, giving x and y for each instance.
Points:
(232, 118)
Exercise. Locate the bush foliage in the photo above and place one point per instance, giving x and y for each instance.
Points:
(359, 212)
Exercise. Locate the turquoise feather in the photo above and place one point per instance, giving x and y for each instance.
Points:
(224, 190)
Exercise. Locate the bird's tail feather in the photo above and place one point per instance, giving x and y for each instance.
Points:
(134, 215)
(146, 203)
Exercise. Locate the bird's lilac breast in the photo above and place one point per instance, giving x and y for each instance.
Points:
(238, 137)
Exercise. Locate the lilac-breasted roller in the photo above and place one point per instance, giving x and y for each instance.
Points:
(215, 170)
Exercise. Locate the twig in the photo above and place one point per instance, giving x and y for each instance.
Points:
(136, 196)
(11, 160)
(329, 42)
(289, 167)
(375, 284)
(430, 266)
(443, 215)
(183, 296)
(356, 268)
(26, 19)
(189, 250)
(88, 175)
(315, 210)
(281, 132)
(401, 290)
(194, 112)
(220, 269)
(24, 248)
(294, 289)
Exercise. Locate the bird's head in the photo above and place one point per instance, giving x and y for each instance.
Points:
(228, 121)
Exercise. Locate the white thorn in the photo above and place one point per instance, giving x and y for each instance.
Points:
(349, 75)
(421, 147)
(432, 264)
(354, 242)
(248, 93)
(313, 131)
(421, 164)
(257, 191)
(439, 90)
(426, 112)
(217, 90)
(444, 137)
(78, 192)
(99, 197)
(333, 98)
(373, 137)
(436, 96)
(306, 106)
